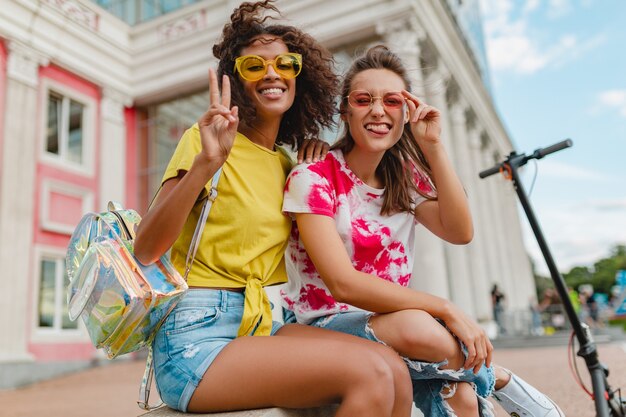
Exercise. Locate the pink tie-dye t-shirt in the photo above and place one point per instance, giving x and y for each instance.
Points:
(378, 245)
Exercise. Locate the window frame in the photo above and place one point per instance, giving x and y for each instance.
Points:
(86, 167)
(49, 186)
(56, 333)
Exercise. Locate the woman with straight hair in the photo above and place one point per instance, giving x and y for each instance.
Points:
(350, 256)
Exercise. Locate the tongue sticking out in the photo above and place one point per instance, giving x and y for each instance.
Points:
(378, 128)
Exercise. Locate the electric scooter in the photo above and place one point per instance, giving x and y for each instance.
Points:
(608, 402)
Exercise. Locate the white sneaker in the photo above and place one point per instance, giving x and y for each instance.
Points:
(520, 399)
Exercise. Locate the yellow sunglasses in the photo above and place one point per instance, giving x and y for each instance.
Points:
(254, 67)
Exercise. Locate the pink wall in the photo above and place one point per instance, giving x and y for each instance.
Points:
(3, 72)
(50, 352)
(67, 208)
(132, 158)
(47, 171)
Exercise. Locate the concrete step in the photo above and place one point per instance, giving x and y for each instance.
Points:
(559, 338)
(327, 411)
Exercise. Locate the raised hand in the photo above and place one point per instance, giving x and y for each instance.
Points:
(425, 120)
(218, 126)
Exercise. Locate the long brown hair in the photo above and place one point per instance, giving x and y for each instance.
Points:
(316, 85)
(396, 169)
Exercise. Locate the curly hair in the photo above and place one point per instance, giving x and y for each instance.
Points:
(316, 85)
(396, 169)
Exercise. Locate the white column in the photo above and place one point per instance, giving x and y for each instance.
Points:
(429, 269)
(501, 190)
(486, 232)
(17, 188)
(497, 236)
(477, 256)
(403, 37)
(522, 276)
(112, 148)
(455, 255)
(516, 281)
(480, 246)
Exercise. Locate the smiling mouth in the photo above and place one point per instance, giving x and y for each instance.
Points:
(273, 91)
(380, 128)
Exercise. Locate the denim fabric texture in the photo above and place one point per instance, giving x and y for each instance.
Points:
(429, 381)
(194, 333)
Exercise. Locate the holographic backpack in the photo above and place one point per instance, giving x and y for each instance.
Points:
(121, 301)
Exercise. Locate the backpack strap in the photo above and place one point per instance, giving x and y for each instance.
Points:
(146, 383)
(148, 374)
(204, 214)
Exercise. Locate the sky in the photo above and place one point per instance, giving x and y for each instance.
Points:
(557, 71)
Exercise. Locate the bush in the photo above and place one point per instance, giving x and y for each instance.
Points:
(618, 322)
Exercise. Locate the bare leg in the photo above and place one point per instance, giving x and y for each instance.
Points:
(417, 335)
(294, 372)
(464, 401)
(402, 381)
(502, 376)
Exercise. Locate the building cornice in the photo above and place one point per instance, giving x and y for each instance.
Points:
(24, 62)
(442, 32)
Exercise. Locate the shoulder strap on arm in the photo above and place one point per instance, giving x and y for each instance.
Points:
(204, 214)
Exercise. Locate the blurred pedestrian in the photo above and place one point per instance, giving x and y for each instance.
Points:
(497, 302)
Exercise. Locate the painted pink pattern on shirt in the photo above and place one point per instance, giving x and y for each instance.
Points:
(391, 261)
(333, 171)
(376, 244)
(290, 303)
(423, 184)
(289, 181)
(367, 245)
(316, 297)
(373, 256)
(320, 200)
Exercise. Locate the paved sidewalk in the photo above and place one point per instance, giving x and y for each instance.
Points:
(111, 390)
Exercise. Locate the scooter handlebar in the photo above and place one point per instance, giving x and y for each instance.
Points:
(541, 152)
(489, 171)
(520, 160)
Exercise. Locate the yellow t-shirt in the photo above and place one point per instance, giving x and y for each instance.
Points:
(245, 237)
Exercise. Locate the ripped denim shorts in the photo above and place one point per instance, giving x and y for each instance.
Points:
(191, 337)
(430, 383)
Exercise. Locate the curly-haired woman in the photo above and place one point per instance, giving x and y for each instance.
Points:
(277, 88)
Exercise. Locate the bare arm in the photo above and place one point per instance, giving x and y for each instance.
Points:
(161, 226)
(449, 216)
(347, 285)
(327, 251)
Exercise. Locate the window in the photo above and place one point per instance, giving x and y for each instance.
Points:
(165, 125)
(52, 304)
(65, 128)
(137, 11)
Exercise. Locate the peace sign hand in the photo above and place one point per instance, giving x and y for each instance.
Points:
(425, 120)
(218, 126)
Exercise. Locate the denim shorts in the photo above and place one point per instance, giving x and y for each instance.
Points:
(429, 381)
(191, 337)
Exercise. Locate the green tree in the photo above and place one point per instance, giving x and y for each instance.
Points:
(578, 275)
(602, 274)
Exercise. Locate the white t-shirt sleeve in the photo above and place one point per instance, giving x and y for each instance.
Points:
(306, 191)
